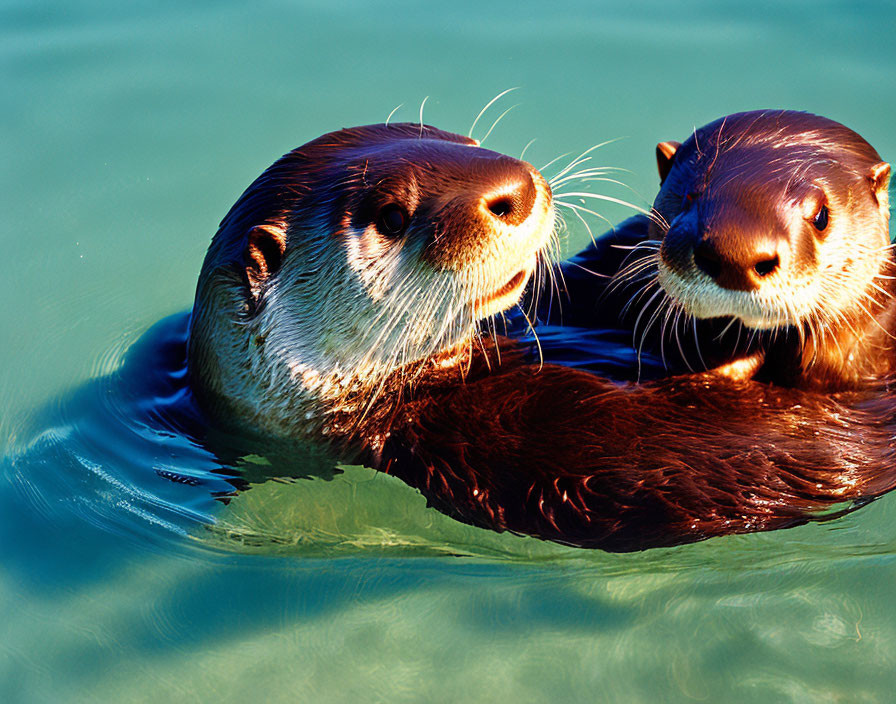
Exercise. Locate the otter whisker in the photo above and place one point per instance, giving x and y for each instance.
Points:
(481, 343)
(394, 110)
(585, 175)
(495, 123)
(534, 335)
(718, 146)
(646, 264)
(554, 161)
(581, 267)
(581, 208)
(556, 274)
(639, 294)
(494, 335)
(556, 278)
(740, 329)
(648, 274)
(596, 196)
(643, 244)
(632, 271)
(793, 315)
(678, 317)
(886, 294)
(526, 148)
(643, 310)
(874, 319)
(487, 106)
(660, 220)
(596, 179)
(542, 275)
(726, 329)
(421, 115)
(597, 175)
(582, 158)
(640, 345)
(663, 326)
(697, 343)
(640, 255)
(581, 219)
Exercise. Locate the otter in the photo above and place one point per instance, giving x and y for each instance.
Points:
(767, 253)
(340, 303)
(354, 256)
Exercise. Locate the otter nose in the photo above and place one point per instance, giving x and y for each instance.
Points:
(512, 200)
(742, 268)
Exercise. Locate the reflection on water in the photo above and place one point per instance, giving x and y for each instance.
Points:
(124, 575)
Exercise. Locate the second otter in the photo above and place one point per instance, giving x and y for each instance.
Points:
(771, 232)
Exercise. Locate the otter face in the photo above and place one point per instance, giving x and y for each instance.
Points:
(774, 218)
(358, 253)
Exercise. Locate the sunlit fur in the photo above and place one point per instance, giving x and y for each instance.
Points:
(759, 178)
(349, 306)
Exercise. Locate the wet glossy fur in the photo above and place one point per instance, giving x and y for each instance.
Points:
(486, 436)
(566, 456)
(732, 246)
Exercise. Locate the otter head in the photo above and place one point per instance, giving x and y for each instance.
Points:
(353, 256)
(774, 218)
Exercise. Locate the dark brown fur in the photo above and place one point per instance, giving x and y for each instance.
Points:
(566, 456)
(496, 441)
(736, 206)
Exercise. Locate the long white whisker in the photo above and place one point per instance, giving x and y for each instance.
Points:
(596, 196)
(697, 343)
(526, 148)
(394, 110)
(582, 158)
(575, 207)
(421, 115)
(495, 123)
(488, 105)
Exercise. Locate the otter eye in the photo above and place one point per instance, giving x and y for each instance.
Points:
(690, 198)
(391, 220)
(820, 221)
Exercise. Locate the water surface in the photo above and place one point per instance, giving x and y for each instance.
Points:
(129, 131)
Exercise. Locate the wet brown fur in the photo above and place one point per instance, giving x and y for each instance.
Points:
(566, 456)
(739, 194)
(545, 451)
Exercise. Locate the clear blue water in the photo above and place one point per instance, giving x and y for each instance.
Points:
(128, 132)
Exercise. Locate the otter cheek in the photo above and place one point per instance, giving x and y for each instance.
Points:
(373, 259)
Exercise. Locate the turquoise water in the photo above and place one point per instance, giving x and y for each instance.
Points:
(130, 129)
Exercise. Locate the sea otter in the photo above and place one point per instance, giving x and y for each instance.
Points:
(352, 257)
(339, 303)
(767, 251)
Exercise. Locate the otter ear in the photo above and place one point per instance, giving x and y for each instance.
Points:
(665, 155)
(879, 175)
(265, 245)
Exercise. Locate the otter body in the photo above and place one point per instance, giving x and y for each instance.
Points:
(340, 303)
(771, 227)
(564, 455)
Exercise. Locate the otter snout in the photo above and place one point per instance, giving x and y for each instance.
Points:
(491, 201)
(736, 255)
(512, 199)
(739, 268)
